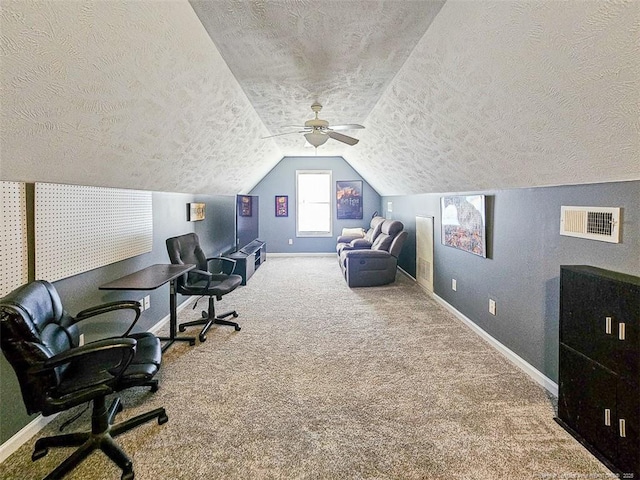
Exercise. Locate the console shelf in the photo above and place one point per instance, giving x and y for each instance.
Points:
(249, 258)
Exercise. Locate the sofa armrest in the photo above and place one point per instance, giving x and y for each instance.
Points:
(367, 268)
(365, 253)
(360, 243)
(347, 238)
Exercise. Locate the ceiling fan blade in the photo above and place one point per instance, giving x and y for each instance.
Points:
(281, 134)
(342, 138)
(348, 126)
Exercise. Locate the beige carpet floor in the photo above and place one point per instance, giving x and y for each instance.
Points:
(327, 382)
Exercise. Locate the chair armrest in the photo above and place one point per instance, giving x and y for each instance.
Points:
(230, 262)
(128, 345)
(111, 307)
(202, 273)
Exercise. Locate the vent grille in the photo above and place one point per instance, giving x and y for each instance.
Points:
(424, 270)
(594, 223)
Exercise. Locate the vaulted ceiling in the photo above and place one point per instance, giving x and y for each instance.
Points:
(455, 96)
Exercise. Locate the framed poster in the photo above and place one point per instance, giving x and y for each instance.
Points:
(463, 223)
(244, 205)
(195, 212)
(282, 206)
(349, 199)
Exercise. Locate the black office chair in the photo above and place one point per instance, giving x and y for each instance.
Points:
(213, 277)
(41, 342)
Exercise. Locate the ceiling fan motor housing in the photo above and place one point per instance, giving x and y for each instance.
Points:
(316, 124)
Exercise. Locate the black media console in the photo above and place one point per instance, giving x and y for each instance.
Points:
(249, 258)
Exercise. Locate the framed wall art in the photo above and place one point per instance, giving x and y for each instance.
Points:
(244, 205)
(463, 223)
(282, 205)
(349, 199)
(195, 212)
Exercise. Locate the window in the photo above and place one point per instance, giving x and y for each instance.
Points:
(313, 193)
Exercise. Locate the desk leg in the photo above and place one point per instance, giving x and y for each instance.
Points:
(173, 320)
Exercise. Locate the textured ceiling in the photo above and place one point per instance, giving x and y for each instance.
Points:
(467, 95)
(288, 54)
(455, 96)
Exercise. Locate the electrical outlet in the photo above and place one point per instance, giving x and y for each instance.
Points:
(454, 285)
(147, 302)
(492, 307)
(291, 241)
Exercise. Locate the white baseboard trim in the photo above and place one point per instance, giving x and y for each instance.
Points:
(540, 378)
(32, 428)
(24, 435)
(537, 376)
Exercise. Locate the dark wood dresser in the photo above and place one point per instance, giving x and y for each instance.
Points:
(599, 374)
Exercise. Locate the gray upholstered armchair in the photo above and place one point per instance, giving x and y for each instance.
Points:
(377, 265)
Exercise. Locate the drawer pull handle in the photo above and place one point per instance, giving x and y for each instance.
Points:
(621, 331)
(607, 325)
(607, 417)
(623, 430)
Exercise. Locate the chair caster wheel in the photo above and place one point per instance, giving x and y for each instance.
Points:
(205, 314)
(181, 328)
(127, 475)
(154, 388)
(37, 454)
(235, 314)
(192, 342)
(202, 338)
(120, 407)
(163, 419)
(237, 328)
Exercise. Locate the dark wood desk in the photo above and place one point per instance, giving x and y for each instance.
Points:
(151, 278)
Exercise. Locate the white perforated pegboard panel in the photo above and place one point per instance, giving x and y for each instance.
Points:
(14, 264)
(79, 228)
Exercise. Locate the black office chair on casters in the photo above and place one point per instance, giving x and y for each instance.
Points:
(41, 342)
(213, 278)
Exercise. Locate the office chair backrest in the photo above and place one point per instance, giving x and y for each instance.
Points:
(33, 328)
(185, 249)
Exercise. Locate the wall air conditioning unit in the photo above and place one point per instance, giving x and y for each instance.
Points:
(594, 223)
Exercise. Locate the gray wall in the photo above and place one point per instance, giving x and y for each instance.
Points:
(217, 233)
(525, 253)
(276, 231)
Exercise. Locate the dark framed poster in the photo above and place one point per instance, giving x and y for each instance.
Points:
(244, 205)
(282, 205)
(349, 199)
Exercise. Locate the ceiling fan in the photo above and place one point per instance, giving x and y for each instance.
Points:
(317, 131)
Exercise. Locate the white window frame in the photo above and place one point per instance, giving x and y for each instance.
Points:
(329, 202)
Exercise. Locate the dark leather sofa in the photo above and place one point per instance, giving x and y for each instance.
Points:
(377, 265)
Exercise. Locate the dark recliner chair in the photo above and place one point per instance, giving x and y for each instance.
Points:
(213, 277)
(41, 342)
(357, 243)
(376, 265)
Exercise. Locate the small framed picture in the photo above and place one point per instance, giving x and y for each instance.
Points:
(244, 205)
(282, 206)
(195, 212)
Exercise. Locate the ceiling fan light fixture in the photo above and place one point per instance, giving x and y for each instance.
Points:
(316, 138)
